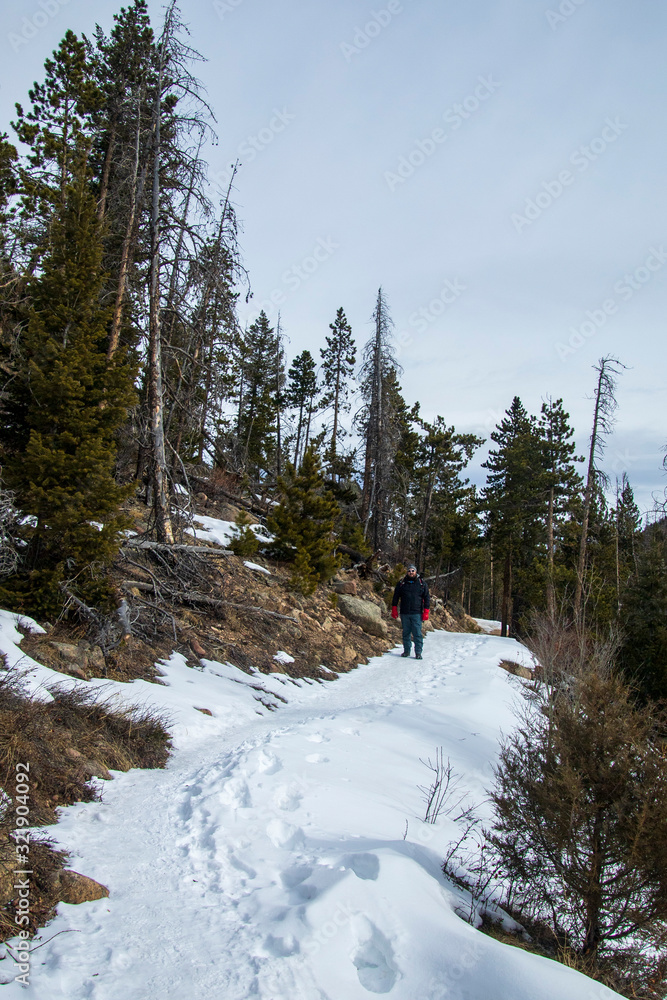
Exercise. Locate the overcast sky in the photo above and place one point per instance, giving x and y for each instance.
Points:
(498, 166)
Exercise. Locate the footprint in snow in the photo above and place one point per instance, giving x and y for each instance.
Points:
(317, 758)
(373, 958)
(268, 763)
(282, 834)
(287, 798)
(281, 947)
(365, 866)
(294, 876)
(235, 793)
(317, 738)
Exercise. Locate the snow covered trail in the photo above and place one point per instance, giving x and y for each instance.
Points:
(282, 857)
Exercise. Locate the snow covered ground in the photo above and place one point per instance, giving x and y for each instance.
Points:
(281, 854)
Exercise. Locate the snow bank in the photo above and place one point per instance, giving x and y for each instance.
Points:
(213, 529)
(281, 855)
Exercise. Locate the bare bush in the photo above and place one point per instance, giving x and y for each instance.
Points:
(444, 792)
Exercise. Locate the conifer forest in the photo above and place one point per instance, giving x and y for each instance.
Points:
(146, 388)
(125, 368)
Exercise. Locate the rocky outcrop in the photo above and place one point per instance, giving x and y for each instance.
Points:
(71, 887)
(363, 613)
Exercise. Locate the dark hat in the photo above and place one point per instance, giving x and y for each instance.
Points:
(411, 566)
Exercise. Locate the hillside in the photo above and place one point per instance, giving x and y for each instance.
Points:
(283, 853)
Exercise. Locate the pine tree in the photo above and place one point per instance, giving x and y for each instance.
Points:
(561, 481)
(338, 361)
(379, 366)
(514, 498)
(259, 384)
(643, 618)
(301, 390)
(304, 522)
(58, 126)
(245, 541)
(442, 455)
(63, 412)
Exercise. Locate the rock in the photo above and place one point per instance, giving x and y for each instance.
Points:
(517, 669)
(67, 652)
(96, 661)
(363, 613)
(345, 587)
(198, 649)
(74, 888)
(348, 654)
(93, 769)
(204, 711)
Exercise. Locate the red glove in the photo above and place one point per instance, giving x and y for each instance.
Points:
(425, 615)
(394, 612)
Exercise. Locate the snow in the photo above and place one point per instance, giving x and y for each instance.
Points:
(488, 624)
(257, 568)
(213, 529)
(283, 657)
(281, 854)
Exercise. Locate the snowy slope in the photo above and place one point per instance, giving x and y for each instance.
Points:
(270, 859)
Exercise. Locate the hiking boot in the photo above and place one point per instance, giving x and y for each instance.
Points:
(404, 655)
(418, 656)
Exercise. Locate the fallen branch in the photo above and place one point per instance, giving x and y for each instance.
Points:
(145, 543)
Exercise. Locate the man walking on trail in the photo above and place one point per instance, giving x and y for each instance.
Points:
(412, 594)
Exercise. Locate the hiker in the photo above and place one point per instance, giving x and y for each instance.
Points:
(412, 594)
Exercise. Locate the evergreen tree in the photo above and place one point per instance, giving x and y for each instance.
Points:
(58, 126)
(245, 542)
(514, 501)
(301, 390)
(375, 419)
(304, 522)
(442, 455)
(258, 387)
(63, 411)
(338, 361)
(561, 481)
(643, 618)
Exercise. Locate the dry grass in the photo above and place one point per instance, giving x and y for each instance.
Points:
(65, 742)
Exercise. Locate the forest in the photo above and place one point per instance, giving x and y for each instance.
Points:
(125, 368)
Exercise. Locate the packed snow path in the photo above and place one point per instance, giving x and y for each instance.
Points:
(282, 856)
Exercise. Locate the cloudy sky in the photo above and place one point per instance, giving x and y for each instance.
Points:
(498, 166)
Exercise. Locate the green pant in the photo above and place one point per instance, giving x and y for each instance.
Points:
(412, 629)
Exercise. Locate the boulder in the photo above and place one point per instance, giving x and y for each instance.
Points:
(366, 615)
(345, 587)
(74, 888)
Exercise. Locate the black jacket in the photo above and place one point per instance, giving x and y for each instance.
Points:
(413, 596)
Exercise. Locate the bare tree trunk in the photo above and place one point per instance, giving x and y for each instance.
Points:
(605, 405)
(106, 173)
(138, 185)
(551, 591)
(506, 613)
(155, 391)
